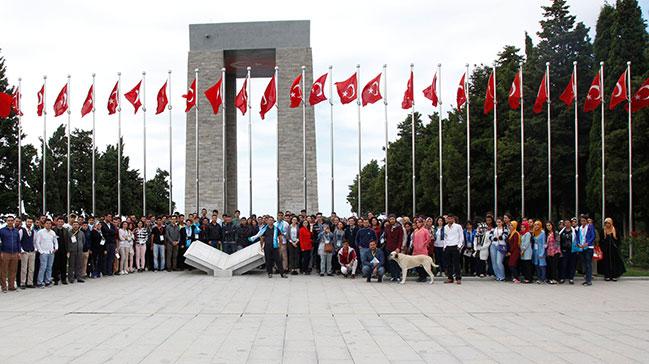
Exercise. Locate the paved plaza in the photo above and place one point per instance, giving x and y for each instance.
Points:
(193, 318)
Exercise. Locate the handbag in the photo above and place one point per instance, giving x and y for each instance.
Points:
(328, 248)
(598, 254)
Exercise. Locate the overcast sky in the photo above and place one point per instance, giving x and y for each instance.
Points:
(56, 38)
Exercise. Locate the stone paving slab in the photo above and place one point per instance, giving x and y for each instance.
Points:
(188, 317)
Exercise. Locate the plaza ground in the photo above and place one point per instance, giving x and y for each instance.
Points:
(185, 317)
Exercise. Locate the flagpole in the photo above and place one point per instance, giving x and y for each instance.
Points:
(44, 146)
(468, 145)
(94, 145)
(358, 103)
(68, 135)
(547, 90)
(385, 107)
(520, 87)
(331, 133)
(249, 142)
(198, 209)
(603, 142)
(412, 132)
(574, 82)
(171, 179)
(225, 178)
(18, 96)
(119, 146)
(277, 105)
(143, 98)
(630, 132)
(439, 135)
(495, 145)
(304, 137)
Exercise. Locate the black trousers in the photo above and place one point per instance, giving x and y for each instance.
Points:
(553, 267)
(305, 261)
(60, 266)
(452, 258)
(272, 259)
(110, 258)
(293, 256)
(527, 268)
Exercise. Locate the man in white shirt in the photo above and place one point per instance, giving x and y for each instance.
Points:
(46, 243)
(454, 238)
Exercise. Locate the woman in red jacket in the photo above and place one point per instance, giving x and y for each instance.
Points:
(514, 250)
(306, 245)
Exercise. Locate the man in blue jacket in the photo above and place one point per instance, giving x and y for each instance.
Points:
(586, 242)
(9, 255)
(373, 263)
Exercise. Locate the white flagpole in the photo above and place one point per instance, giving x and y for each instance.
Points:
(143, 98)
(44, 146)
(68, 135)
(277, 105)
(468, 144)
(20, 126)
(94, 146)
(196, 164)
(630, 132)
(574, 83)
(495, 144)
(331, 133)
(603, 142)
(385, 107)
(304, 137)
(171, 183)
(412, 132)
(520, 87)
(547, 91)
(439, 135)
(249, 143)
(119, 146)
(225, 178)
(358, 103)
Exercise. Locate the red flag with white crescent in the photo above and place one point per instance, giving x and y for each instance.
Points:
(162, 99)
(113, 99)
(461, 92)
(619, 92)
(15, 104)
(61, 103)
(213, 95)
(641, 98)
(568, 95)
(268, 99)
(89, 103)
(241, 101)
(5, 104)
(190, 96)
(515, 92)
(409, 95)
(40, 106)
(542, 95)
(594, 96)
(317, 90)
(490, 97)
(347, 90)
(295, 95)
(133, 97)
(430, 92)
(371, 92)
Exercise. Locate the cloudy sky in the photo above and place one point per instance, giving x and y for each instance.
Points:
(56, 38)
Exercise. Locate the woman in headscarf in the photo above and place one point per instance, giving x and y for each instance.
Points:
(526, 252)
(514, 250)
(538, 247)
(612, 266)
(553, 252)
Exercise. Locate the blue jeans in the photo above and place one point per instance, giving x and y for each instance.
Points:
(363, 252)
(587, 264)
(367, 271)
(497, 261)
(158, 254)
(540, 273)
(229, 247)
(45, 269)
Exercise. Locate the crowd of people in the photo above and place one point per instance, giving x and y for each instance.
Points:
(43, 252)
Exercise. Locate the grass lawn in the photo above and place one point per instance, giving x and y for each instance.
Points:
(636, 272)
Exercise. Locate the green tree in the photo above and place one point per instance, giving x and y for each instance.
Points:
(157, 192)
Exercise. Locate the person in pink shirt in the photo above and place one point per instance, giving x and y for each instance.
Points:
(420, 240)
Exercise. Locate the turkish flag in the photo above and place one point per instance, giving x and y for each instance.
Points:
(409, 95)
(113, 99)
(430, 92)
(40, 106)
(515, 92)
(190, 96)
(162, 99)
(594, 96)
(213, 95)
(5, 105)
(268, 99)
(619, 92)
(61, 103)
(317, 90)
(490, 97)
(568, 95)
(133, 97)
(371, 92)
(296, 92)
(347, 89)
(15, 104)
(241, 101)
(461, 92)
(541, 96)
(89, 103)
(641, 98)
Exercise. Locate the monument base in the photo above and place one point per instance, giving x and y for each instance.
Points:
(219, 264)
